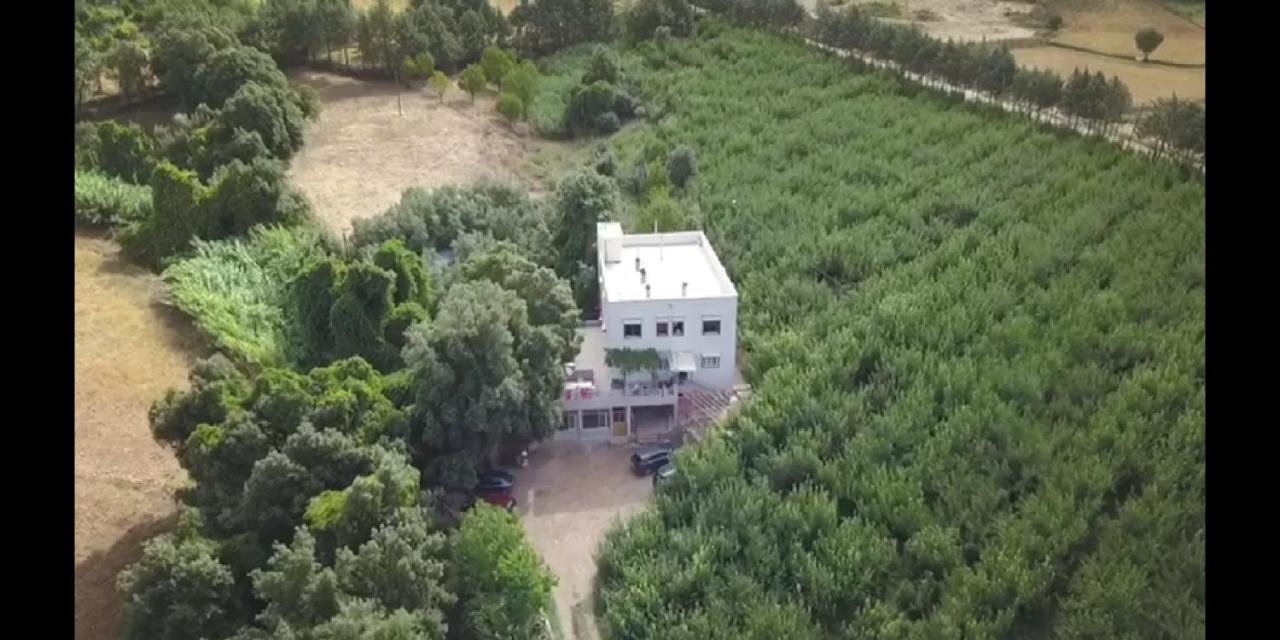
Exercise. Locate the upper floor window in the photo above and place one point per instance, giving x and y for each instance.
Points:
(677, 328)
(631, 329)
(710, 362)
(710, 326)
(663, 329)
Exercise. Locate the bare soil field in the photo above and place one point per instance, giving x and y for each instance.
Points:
(1145, 81)
(361, 154)
(128, 350)
(1109, 25)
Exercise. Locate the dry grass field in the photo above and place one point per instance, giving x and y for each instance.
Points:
(1145, 81)
(1106, 26)
(128, 350)
(1109, 25)
(361, 154)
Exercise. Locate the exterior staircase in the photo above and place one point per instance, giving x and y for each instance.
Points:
(701, 407)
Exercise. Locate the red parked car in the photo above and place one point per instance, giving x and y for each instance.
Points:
(500, 499)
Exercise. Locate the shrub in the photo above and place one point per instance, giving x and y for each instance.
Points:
(606, 164)
(588, 104)
(607, 122)
(605, 66)
(511, 107)
(238, 292)
(682, 166)
(123, 151)
(105, 201)
(241, 196)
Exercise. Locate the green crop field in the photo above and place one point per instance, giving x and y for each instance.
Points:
(977, 351)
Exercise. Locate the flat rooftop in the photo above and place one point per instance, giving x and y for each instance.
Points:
(670, 260)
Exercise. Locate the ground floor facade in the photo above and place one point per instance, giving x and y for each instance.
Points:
(616, 424)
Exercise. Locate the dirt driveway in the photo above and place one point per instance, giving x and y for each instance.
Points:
(570, 494)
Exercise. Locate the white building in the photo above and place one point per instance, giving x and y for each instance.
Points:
(663, 295)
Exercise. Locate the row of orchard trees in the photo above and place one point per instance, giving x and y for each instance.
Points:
(1089, 100)
(976, 353)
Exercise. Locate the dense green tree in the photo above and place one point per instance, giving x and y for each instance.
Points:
(222, 75)
(400, 567)
(682, 166)
(472, 81)
(511, 107)
(179, 589)
(496, 63)
(548, 297)
(543, 26)
(604, 66)
(439, 83)
(179, 49)
(128, 60)
(502, 582)
(1148, 40)
(337, 23)
(997, 71)
(300, 592)
(582, 200)
(1174, 124)
(124, 151)
(274, 112)
(513, 379)
(431, 222)
(293, 29)
(522, 81)
(417, 68)
(87, 68)
(642, 19)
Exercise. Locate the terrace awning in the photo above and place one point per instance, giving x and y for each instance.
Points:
(685, 362)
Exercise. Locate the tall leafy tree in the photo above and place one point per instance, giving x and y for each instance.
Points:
(128, 59)
(179, 589)
(503, 584)
(472, 81)
(543, 26)
(582, 200)
(512, 380)
(1148, 40)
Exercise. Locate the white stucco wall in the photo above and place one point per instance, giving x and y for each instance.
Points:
(692, 310)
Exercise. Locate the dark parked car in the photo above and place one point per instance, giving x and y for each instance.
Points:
(491, 483)
(497, 475)
(646, 462)
(664, 473)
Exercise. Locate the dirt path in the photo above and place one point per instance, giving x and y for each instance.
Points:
(129, 350)
(364, 151)
(570, 495)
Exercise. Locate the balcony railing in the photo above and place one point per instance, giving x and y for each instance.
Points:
(587, 390)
